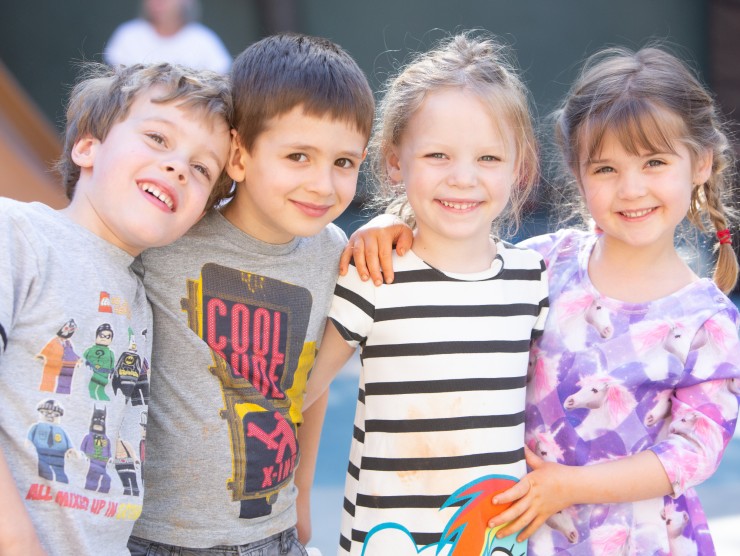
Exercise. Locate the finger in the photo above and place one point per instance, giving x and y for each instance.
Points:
(533, 460)
(530, 529)
(385, 257)
(513, 493)
(518, 525)
(404, 239)
(344, 258)
(372, 261)
(509, 514)
(358, 255)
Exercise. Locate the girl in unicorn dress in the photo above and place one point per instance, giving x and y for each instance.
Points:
(633, 396)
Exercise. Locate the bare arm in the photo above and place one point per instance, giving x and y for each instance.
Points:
(309, 435)
(333, 354)
(551, 487)
(17, 534)
(371, 247)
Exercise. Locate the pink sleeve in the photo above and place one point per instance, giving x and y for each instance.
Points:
(705, 411)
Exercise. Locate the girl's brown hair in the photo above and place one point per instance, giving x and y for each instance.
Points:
(649, 100)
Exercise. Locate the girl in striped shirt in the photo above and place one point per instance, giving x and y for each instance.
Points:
(439, 425)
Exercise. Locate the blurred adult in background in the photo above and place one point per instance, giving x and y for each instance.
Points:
(168, 31)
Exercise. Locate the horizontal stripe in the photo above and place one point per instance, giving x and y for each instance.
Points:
(353, 471)
(443, 424)
(431, 275)
(349, 507)
(346, 334)
(389, 502)
(441, 386)
(436, 311)
(433, 464)
(442, 348)
(357, 300)
(358, 434)
(421, 539)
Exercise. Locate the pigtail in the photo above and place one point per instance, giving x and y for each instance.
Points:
(710, 201)
(726, 268)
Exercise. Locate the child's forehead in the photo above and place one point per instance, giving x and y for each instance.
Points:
(298, 123)
(155, 103)
(637, 131)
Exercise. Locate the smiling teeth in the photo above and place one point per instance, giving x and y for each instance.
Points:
(458, 206)
(159, 194)
(636, 213)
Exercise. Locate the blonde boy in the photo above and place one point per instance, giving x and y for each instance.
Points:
(144, 154)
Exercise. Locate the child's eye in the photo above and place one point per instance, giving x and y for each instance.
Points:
(298, 157)
(437, 155)
(489, 158)
(203, 170)
(156, 137)
(344, 163)
(655, 163)
(604, 170)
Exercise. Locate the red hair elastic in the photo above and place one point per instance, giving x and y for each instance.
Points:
(724, 236)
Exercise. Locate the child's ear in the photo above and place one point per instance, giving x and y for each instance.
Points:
(393, 166)
(703, 167)
(236, 164)
(84, 150)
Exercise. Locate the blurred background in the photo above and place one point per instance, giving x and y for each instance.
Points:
(41, 41)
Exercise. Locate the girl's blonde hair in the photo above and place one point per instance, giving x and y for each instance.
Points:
(475, 63)
(649, 100)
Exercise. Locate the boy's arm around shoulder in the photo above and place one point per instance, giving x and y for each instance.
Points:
(17, 534)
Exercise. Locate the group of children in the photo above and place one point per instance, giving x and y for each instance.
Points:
(601, 350)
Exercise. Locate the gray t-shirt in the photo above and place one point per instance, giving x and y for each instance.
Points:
(73, 379)
(237, 324)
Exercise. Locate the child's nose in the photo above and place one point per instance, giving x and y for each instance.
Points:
(321, 181)
(463, 175)
(632, 186)
(177, 168)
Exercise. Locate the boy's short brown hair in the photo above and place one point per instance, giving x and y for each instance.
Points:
(104, 95)
(280, 72)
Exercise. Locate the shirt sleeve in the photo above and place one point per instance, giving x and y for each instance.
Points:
(353, 307)
(705, 411)
(544, 303)
(20, 265)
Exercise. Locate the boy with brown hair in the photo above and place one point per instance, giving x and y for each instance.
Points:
(144, 156)
(240, 303)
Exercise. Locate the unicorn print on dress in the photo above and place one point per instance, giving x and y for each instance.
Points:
(657, 342)
(542, 377)
(608, 401)
(580, 314)
(675, 522)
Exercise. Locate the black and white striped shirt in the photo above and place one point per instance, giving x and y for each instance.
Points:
(442, 388)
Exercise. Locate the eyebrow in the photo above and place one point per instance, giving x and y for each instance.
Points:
(342, 154)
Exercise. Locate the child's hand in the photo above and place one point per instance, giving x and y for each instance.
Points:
(372, 246)
(540, 494)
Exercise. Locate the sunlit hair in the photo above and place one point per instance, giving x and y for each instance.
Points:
(473, 62)
(104, 96)
(281, 72)
(650, 101)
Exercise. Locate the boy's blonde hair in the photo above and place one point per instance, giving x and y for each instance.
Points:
(650, 100)
(473, 62)
(104, 96)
